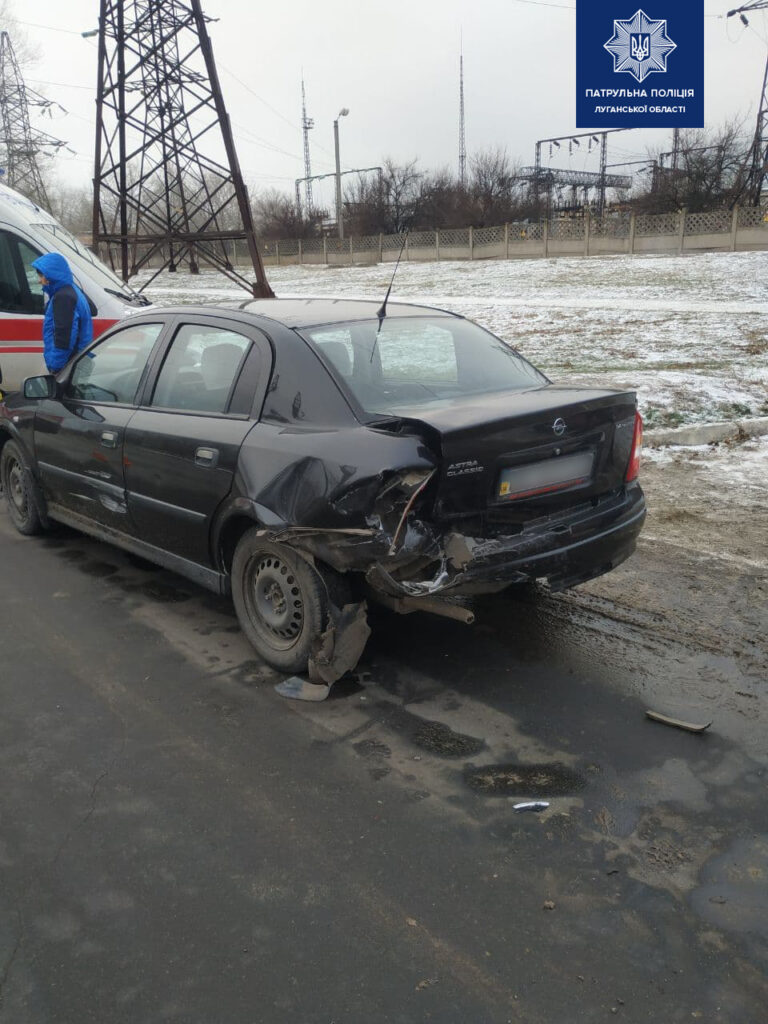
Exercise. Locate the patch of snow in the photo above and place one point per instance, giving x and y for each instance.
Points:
(688, 333)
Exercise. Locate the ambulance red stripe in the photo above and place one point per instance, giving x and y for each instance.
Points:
(19, 329)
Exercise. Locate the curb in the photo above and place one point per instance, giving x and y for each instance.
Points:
(707, 433)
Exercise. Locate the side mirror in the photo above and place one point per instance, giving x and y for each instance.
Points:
(44, 386)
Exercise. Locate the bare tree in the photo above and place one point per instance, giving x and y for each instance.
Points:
(26, 53)
(276, 216)
(706, 173)
(73, 206)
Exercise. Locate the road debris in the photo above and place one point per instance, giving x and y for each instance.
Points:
(548, 905)
(296, 688)
(531, 805)
(677, 722)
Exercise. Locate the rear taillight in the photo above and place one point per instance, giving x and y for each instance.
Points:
(637, 443)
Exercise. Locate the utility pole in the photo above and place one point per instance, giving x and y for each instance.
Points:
(20, 144)
(159, 197)
(675, 148)
(603, 165)
(462, 139)
(756, 164)
(339, 208)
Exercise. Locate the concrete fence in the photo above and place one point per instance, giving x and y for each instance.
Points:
(739, 229)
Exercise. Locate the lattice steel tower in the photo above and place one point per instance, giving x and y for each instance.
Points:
(307, 123)
(756, 167)
(157, 194)
(462, 140)
(20, 144)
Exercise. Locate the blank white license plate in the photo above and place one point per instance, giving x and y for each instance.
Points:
(542, 477)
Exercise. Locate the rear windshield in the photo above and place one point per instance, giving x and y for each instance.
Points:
(411, 362)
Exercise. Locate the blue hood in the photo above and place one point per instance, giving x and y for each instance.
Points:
(53, 266)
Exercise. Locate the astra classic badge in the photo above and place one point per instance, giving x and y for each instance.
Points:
(559, 427)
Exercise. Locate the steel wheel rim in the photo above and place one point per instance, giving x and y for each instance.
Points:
(15, 488)
(274, 599)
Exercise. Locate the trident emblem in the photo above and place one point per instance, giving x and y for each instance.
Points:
(640, 45)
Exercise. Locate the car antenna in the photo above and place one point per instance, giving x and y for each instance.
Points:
(383, 310)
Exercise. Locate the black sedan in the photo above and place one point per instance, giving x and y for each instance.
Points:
(307, 455)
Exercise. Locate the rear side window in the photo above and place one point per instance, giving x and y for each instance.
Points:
(20, 290)
(200, 369)
(111, 371)
(336, 345)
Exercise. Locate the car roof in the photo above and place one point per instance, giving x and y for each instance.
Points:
(302, 312)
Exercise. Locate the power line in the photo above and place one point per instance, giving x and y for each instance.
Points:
(60, 85)
(268, 105)
(48, 28)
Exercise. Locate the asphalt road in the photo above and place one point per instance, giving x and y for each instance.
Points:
(178, 843)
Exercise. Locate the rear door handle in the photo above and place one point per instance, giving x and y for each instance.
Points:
(109, 438)
(207, 457)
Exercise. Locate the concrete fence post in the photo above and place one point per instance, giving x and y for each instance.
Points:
(734, 226)
(506, 241)
(632, 229)
(681, 229)
(407, 248)
(301, 253)
(471, 243)
(277, 253)
(546, 237)
(325, 249)
(381, 248)
(587, 228)
(437, 246)
(351, 253)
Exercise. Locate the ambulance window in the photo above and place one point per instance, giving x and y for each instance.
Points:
(28, 254)
(20, 291)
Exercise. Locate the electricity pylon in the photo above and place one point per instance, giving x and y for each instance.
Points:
(20, 144)
(756, 165)
(167, 184)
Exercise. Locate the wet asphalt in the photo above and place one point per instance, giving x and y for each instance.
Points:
(178, 843)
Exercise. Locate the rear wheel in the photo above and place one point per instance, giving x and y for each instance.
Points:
(280, 601)
(19, 490)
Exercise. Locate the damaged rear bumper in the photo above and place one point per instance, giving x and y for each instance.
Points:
(563, 550)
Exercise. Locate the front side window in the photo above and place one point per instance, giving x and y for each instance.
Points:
(200, 369)
(111, 371)
(408, 362)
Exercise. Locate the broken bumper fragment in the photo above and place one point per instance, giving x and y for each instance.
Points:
(565, 550)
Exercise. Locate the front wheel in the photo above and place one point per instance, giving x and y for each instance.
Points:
(280, 601)
(18, 488)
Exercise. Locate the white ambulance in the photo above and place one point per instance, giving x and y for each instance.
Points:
(26, 232)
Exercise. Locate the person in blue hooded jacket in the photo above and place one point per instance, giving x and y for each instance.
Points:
(68, 324)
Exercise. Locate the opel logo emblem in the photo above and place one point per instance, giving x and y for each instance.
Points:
(559, 427)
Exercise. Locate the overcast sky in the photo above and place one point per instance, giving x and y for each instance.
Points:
(396, 66)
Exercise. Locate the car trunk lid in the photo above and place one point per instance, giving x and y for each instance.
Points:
(519, 455)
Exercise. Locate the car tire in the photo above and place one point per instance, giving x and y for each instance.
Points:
(280, 600)
(19, 490)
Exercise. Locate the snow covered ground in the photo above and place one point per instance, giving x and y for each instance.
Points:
(688, 333)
